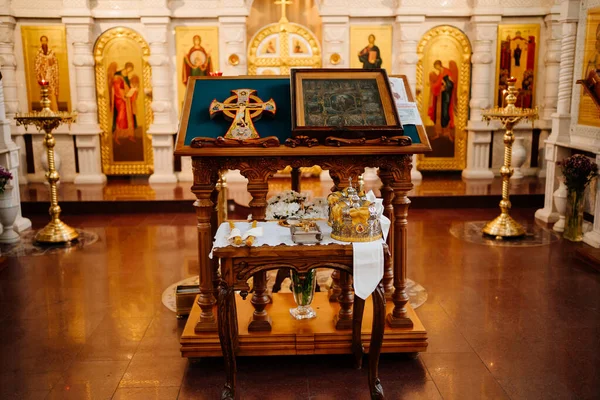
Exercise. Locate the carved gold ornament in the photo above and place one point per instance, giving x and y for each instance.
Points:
(233, 59)
(335, 59)
(285, 38)
(456, 39)
(104, 55)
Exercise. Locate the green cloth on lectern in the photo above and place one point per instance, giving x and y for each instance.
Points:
(207, 90)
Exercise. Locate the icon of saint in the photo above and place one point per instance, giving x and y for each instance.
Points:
(517, 56)
(46, 68)
(298, 48)
(123, 92)
(271, 48)
(442, 99)
(370, 56)
(197, 61)
(592, 78)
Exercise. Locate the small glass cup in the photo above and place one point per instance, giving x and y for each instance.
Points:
(303, 288)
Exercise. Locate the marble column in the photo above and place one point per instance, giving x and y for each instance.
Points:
(407, 33)
(336, 39)
(87, 131)
(484, 29)
(552, 68)
(11, 161)
(163, 127)
(8, 66)
(561, 119)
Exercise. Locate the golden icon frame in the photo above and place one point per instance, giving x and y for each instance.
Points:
(102, 60)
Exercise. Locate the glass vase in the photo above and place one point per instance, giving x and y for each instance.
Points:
(303, 288)
(574, 216)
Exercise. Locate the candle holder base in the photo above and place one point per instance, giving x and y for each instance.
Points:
(56, 232)
(504, 226)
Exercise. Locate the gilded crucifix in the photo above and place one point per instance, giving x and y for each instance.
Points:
(241, 108)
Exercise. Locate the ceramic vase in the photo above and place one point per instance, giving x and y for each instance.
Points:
(303, 288)
(574, 215)
(8, 214)
(519, 155)
(560, 202)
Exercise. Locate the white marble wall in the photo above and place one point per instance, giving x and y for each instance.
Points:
(155, 20)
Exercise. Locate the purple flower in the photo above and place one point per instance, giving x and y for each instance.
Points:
(578, 171)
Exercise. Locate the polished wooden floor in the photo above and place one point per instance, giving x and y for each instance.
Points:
(503, 322)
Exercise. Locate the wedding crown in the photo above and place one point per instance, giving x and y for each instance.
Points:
(354, 217)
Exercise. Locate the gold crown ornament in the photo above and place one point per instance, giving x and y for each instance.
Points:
(353, 218)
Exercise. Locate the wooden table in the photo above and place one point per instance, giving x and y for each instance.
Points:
(258, 165)
(238, 264)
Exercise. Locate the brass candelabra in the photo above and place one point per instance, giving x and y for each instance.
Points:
(504, 226)
(47, 120)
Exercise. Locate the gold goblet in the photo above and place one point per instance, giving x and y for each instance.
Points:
(47, 120)
(504, 226)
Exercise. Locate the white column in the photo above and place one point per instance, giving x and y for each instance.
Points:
(11, 161)
(561, 120)
(484, 30)
(336, 39)
(8, 65)
(407, 33)
(163, 128)
(552, 68)
(232, 40)
(87, 131)
(593, 237)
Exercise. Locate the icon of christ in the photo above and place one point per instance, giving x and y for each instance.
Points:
(197, 61)
(370, 56)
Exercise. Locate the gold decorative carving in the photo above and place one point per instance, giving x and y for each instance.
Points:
(233, 59)
(105, 55)
(335, 59)
(457, 49)
(280, 57)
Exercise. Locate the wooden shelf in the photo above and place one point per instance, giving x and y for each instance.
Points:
(291, 337)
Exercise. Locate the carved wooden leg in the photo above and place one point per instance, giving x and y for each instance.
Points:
(205, 179)
(378, 297)
(343, 320)
(401, 185)
(388, 210)
(259, 188)
(226, 302)
(260, 319)
(214, 225)
(357, 347)
(296, 179)
(335, 290)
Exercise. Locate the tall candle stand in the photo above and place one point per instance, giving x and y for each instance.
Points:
(47, 120)
(504, 226)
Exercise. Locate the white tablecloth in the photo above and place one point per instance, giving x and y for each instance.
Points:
(368, 257)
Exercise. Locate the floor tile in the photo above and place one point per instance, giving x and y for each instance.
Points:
(152, 393)
(462, 376)
(145, 370)
(90, 380)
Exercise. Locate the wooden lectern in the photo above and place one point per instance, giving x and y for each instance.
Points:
(257, 334)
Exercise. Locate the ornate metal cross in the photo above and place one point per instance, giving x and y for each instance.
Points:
(241, 108)
(283, 3)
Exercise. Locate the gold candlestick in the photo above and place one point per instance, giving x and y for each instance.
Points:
(47, 120)
(504, 226)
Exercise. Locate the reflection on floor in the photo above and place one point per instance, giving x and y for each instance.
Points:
(435, 191)
(503, 322)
